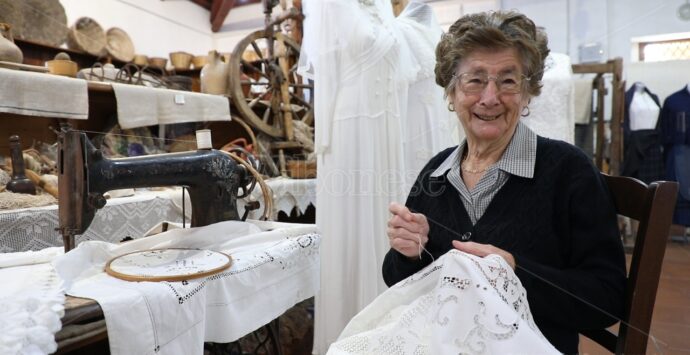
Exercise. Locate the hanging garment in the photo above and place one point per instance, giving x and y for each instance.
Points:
(460, 304)
(428, 123)
(642, 157)
(552, 114)
(354, 54)
(675, 137)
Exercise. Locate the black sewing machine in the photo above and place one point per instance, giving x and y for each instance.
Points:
(84, 175)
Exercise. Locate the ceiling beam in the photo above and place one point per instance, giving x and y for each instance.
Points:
(206, 4)
(219, 11)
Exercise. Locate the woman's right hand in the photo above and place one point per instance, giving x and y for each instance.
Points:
(408, 232)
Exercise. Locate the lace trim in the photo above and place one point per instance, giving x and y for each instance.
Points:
(30, 317)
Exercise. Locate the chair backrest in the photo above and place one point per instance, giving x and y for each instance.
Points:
(652, 206)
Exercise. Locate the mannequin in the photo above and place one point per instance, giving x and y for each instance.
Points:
(643, 152)
(644, 108)
(675, 137)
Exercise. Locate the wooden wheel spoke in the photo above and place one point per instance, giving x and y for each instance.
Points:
(257, 99)
(246, 82)
(253, 68)
(300, 100)
(257, 49)
(266, 115)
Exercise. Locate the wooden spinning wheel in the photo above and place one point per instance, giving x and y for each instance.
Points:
(265, 86)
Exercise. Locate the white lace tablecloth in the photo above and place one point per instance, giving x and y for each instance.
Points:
(275, 266)
(35, 228)
(288, 194)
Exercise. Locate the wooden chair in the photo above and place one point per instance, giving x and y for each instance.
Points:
(652, 205)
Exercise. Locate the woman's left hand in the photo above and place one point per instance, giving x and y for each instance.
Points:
(483, 250)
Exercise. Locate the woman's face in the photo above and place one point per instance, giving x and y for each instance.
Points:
(490, 113)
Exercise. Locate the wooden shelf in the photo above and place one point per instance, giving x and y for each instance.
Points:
(37, 54)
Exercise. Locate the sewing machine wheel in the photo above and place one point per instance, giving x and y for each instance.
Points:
(267, 193)
(267, 90)
(251, 159)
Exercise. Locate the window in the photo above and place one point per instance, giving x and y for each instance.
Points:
(664, 50)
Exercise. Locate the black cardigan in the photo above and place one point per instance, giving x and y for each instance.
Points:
(560, 226)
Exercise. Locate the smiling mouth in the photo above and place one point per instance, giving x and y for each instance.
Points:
(487, 117)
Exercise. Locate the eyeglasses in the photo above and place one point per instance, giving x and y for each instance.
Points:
(474, 83)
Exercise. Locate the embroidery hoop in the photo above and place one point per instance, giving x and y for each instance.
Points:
(167, 264)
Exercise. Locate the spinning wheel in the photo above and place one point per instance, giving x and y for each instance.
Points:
(265, 87)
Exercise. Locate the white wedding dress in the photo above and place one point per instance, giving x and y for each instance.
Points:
(371, 138)
(428, 124)
(354, 55)
(460, 304)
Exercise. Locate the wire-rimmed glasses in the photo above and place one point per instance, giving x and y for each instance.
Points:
(508, 83)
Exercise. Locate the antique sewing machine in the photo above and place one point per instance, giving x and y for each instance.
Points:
(211, 177)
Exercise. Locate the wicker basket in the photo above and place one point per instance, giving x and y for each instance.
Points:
(119, 45)
(10, 12)
(88, 36)
(181, 60)
(44, 22)
(301, 169)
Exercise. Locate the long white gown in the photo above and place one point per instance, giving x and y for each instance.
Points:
(379, 118)
(354, 54)
(428, 124)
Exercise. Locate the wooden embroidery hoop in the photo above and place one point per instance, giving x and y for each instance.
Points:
(171, 278)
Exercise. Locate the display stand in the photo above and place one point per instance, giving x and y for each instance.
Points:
(614, 67)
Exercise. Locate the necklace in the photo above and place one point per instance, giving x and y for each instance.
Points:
(473, 171)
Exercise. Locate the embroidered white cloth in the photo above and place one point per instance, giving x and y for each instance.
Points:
(31, 304)
(460, 304)
(275, 265)
(43, 95)
(552, 114)
(30, 257)
(139, 106)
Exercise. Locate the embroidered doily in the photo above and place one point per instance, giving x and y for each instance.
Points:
(174, 264)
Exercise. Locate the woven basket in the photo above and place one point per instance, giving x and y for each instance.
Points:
(119, 45)
(10, 12)
(44, 22)
(88, 36)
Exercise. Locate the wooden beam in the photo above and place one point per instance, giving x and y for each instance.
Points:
(206, 4)
(219, 11)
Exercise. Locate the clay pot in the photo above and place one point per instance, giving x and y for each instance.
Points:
(214, 75)
(9, 51)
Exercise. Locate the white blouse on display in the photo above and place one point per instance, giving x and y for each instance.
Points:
(644, 112)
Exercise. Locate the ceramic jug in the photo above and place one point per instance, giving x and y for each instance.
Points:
(9, 52)
(214, 75)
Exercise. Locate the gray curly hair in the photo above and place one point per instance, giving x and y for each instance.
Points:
(492, 30)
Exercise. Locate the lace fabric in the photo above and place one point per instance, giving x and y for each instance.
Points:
(460, 304)
(552, 114)
(31, 304)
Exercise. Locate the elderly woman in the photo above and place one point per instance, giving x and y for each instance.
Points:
(538, 203)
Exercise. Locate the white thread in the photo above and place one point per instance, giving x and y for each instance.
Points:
(419, 239)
